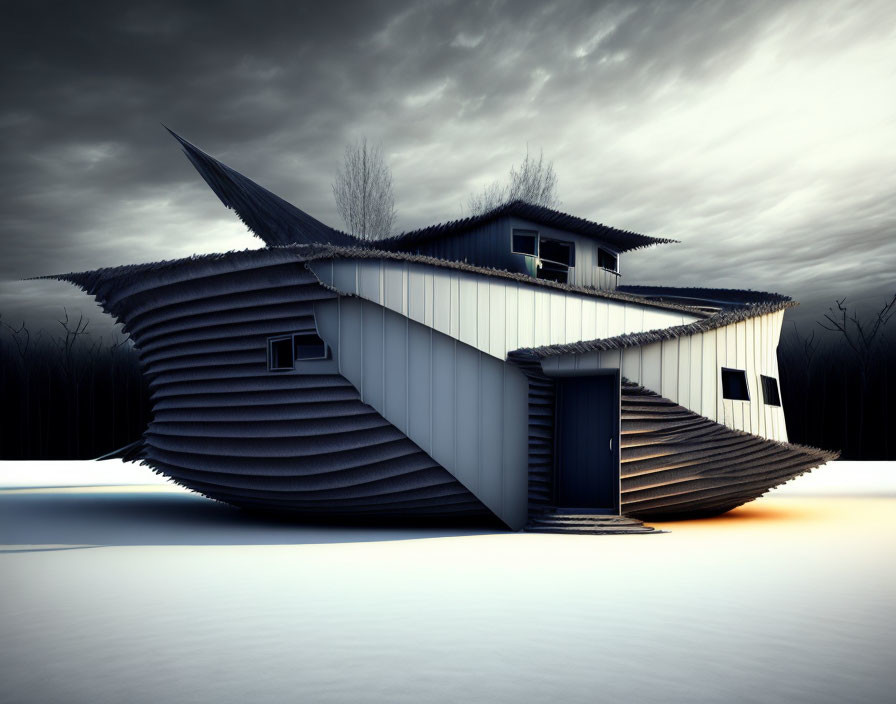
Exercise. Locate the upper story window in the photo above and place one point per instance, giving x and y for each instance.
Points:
(734, 384)
(557, 251)
(770, 393)
(607, 260)
(285, 350)
(525, 242)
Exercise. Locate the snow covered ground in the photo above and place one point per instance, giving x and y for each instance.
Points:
(118, 587)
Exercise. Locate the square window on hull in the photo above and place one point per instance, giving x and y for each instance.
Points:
(309, 346)
(285, 350)
(734, 384)
(280, 357)
(770, 393)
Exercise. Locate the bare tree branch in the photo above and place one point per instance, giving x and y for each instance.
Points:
(533, 181)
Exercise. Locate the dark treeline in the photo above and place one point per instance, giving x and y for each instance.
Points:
(66, 395)
(838, 380)
(69, 396)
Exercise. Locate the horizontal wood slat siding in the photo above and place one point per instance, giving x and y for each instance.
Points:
(463, 407)
(301, 442)
(676, 463)
(687, 370)
(491, 314)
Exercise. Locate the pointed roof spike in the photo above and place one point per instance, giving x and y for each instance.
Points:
(266, 214)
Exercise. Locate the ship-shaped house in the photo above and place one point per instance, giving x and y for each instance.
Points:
(487, 367)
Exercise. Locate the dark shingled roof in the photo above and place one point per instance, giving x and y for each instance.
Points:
(728, 316)
(278, 222)
(267, 215)
(621, 240)
(203, 264)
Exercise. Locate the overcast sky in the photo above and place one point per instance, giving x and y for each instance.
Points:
(761, 135)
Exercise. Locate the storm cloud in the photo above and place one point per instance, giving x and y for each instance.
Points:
(761, 135)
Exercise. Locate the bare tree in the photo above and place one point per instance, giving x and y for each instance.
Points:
(363, 192)
(534, 181)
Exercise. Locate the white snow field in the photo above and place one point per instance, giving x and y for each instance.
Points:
(118, 587)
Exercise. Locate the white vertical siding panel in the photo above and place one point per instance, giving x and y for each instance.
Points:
(723, 406)
(442, 412)
(709, 383)
(467, 321)
(655, 320)
(496, 321)
(652, 367)
(634, 318)
(557, 315)
(428, 283)
(395, 382)
(631, 364)
(369, 280)
(589, 320)
(345, 275)
(696, 374)
(441, 302)
(683, 397)
(454, 307)
(602, 319)
(416, 297)
(511, 318)
(525, 317)
(419, 390)
(669, 382)
(372, 331)
(466, 415)
(611, 359)
(542, 319)
(351, 341)
(393, 285)
(482, 315)
(574, 320)
(615, 319)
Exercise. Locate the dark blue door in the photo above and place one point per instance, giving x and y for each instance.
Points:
(587, 437)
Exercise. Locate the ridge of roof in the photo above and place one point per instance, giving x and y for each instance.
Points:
(636, 339)
(624, 240)
(268, 216)
(89, 280)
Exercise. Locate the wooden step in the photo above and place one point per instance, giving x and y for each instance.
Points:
(562, 520)
(595, 531)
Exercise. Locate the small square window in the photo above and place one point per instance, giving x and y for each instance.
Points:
(525, 242)
(309, 345)
(734, 384)
(280, 354)
(607, 260)
(770, 393)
